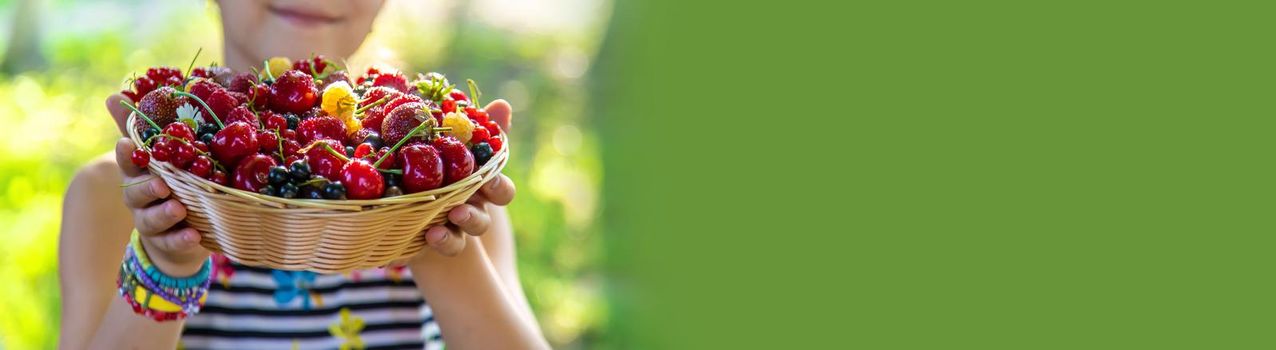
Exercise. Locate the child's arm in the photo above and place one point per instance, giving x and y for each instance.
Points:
(470, 302)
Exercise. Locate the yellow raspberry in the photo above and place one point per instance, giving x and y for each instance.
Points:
(279, 65)
(338, 100)
(461, 126)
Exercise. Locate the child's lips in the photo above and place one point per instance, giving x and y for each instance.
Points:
(303, 18)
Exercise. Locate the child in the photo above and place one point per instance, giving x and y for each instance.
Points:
(475, 300)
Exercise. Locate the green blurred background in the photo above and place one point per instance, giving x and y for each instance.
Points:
(61, 58)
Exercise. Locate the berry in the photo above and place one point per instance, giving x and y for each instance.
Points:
(161, 105)
(252, 174)
(448, 106)
(322, 162)
(243, 83)
(349, 151)
(206, 128)
(374, 139)
(496, 142)
(182, 154)
(362, 180)
(293, 121)
(201, 146)
(458, 95)
(402, 120)
(389, 162)
(422, 168)
(180, 131)
(311, 193)
(457, 160)
(322, 127)
(482, 153)
(336, 77)
(287, 190)
(241, 114)
(219, 177)
(391, 191)
(394, 80)
(233, 143)
(293, 91)
(267, 190)
(278, 175)
(206, 139)
(202, 88)
(291, 147)
(267, 142)
(480, 135)
(299, 171)
(492, 128)
(150, 132)
(140, 158)
(202, 167)
(362, 151)
(259, 96)
(274, 122)
(334, 190)
(462, 127)
(222, 102)
(377, 93)
(161, 150)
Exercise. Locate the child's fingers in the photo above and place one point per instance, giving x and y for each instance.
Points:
(141, 191)
(176, 242)
(158, 218)
(501, 112)
(470, 219)
(118, 112)
(124, 157)
(500, 190)
(444, 240)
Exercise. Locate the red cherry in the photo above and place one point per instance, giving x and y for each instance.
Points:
(274, 121)
(219, 177)
(324, 163)
(180, 130)
(160, 150)
(422, 168)
(233, 143)
(289, 134)
(496, 142)
(291, 147)
(183, 154)
(362, 180)
(202, 167)
(253, 172)
(173, 81)
(491, 127)
(140, 158)
(458, 162)
(259, 96)
(389, 162)
(293, 92)
(200, 146)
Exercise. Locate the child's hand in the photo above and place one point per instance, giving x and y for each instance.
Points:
(473, 217)
(174, 249)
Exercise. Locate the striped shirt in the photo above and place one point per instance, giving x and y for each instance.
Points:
(252, 308)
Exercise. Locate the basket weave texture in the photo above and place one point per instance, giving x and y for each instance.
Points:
(324, 236)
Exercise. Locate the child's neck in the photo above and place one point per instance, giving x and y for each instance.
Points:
(238, 60)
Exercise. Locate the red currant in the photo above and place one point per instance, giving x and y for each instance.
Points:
(202, 167)
(496, 142)
(140, 158)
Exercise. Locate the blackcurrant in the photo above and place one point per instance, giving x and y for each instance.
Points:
(299, 170)
(392, 191)
(268, 190)
(349, 151)
(334, 190)
(149, 133)
(482, 153)
(207, 139)
(278, 175)
(374, 140)
(311, 193)
(207, 128)
(288, 190)
(390, 179)
(293, 120)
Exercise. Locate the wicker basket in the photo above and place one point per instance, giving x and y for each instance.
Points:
(324, 236)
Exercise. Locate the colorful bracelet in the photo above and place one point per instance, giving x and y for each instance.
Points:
(156, 295)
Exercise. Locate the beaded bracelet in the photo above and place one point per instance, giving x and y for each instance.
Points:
(156, 295)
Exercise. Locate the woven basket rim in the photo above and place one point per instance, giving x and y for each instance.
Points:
(350, 205)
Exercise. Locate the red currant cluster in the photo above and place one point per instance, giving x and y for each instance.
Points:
(307, 133)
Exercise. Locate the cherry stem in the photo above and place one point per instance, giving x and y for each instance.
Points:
(374, 104)
(391, 171)
(405, 139)
(201, 103)
(280, 139)
(143, 115)
(334, 152)
(190, 68)
(266, 67)
(474, 92)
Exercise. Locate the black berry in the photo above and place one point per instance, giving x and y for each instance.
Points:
(278, 175)
(299, 170)
(482, 152)
(334, 190)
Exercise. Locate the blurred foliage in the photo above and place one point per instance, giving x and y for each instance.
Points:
(534, 55)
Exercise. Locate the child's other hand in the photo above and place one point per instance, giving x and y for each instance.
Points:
(473, 217)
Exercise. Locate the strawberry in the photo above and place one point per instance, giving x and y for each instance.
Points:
(402, 120)
(161, 105)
